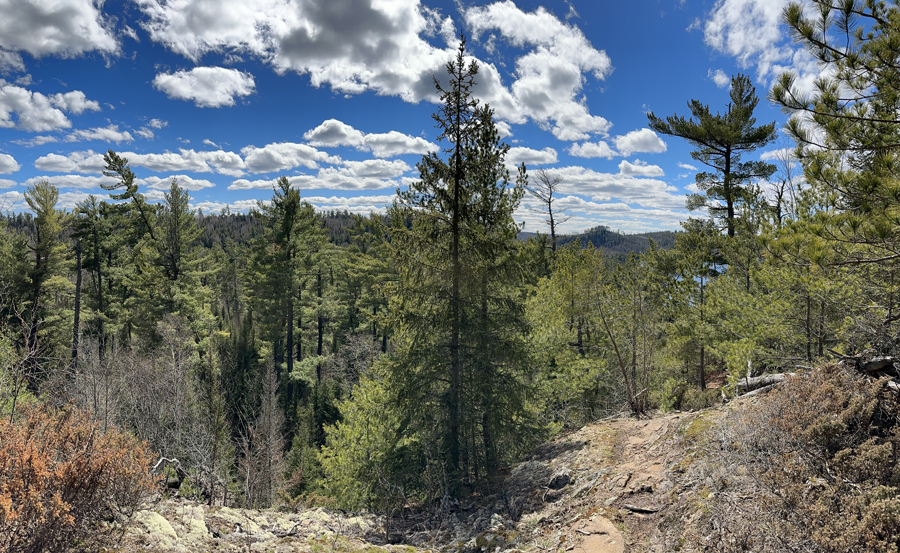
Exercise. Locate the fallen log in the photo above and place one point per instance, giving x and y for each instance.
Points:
(877, 364)
(753, 382)
(641, 510)
(874, 366)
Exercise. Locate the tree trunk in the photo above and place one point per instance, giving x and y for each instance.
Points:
(101, 346)
(702, 347)
(808, 327)
(490, 450)
(320, 326)
(290, 331)
(753, 382)
(702, 367)
(76, 324)
(552, 227)
(453, 399)
(729, 194)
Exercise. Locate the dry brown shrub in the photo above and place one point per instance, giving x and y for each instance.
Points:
(819, 454)
(61, 479)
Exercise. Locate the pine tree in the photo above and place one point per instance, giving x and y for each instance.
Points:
(91, 228)
(691, 266)
(285, 258)
(45, 274)
(847, 130)
(721, 140)
(456, 309)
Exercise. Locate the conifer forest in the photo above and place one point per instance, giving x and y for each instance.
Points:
(289, 355)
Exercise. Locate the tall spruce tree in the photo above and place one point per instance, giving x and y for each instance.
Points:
(721, 140)
(456, 308)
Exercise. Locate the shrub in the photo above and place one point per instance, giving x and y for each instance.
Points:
(695, 399)
(61, 477)
(822, 451)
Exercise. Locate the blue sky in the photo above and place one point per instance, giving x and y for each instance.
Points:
(227, 95)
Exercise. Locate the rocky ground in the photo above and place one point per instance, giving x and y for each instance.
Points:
(615, 486)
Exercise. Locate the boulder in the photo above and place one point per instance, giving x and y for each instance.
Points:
(560, 479)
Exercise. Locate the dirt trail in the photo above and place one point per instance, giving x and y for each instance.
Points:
(623, 473)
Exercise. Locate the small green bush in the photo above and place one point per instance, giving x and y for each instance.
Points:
(695, 399)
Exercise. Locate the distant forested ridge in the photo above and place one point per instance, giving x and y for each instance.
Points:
(616, 244)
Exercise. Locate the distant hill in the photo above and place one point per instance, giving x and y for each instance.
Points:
(615, 244)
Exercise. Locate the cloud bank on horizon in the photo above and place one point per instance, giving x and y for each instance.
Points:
(226, 95)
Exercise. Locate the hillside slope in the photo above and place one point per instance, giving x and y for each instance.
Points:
(809, 466)
(601, 489)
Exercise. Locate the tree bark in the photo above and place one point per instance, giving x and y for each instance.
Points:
(76, 324)
(453, 399)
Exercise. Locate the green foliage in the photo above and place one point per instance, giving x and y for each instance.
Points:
(595, 323)
(359, 460)
(47, 253)
(575, 382)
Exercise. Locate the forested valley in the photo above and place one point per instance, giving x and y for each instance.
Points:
(383, 362)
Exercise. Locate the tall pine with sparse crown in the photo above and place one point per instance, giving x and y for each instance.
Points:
(721, 140)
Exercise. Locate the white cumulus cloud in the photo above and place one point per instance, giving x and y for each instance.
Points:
(184, 181)
(395, 143)
(8, 164)
(11, 62)
(337, 133)
(752, 33)
(71, 181)
(355, 46)
(529, 156)
(110, 133)
(75, 162)
(207, 87)
(74, 102)
(32, 111)
(64, 28)
(379, 168)
(259, 184)
(39, 140)
(283, 156)
(550, 76)
(592, 149)
(719, 77)
(640, 169)
(334, 133)
(646, 192)
(639, 141)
